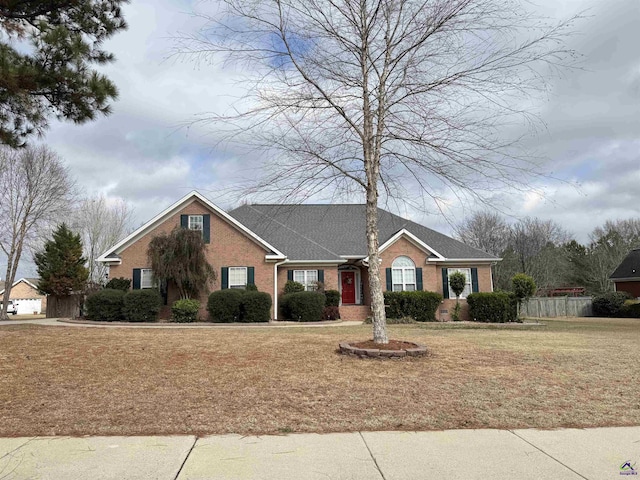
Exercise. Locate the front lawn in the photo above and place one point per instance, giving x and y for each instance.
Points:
(75, 381)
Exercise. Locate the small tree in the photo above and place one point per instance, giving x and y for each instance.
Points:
(61, 264)
(457, 282)
(180, 257)
(523, 287)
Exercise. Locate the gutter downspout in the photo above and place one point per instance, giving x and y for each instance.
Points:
(275, 288)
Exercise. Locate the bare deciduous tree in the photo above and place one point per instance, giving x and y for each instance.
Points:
(382, 97)
(100, 223)
(485, 230)
(35, 191)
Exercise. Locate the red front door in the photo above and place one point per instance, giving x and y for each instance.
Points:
(348, 287)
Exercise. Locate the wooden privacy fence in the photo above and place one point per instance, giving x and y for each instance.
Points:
(557, 307)
(64, 307)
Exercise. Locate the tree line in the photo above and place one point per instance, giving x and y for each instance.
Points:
(547, 252)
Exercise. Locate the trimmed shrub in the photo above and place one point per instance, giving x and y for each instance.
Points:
(250, 288)
(185, 311)
(141, 305)
(493, 307)
(224, 305)
(255, 307)
(523, 285)
(293, 287)
(303, 306)
(331, 312)
(105, 305)
(121, 283)
(610, 304)
(631, 310)
(421, 306)
(332, 298)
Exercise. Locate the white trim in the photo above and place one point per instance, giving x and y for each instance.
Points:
(411, 237)
(184, 201)
(312, 262)
(463, 260)
(21, 280)
(275, 288)
(353, 257)
(627, 279)
(239, 285)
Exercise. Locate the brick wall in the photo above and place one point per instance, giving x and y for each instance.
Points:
(229, 247)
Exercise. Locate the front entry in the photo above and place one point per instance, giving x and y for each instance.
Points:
(348, 287)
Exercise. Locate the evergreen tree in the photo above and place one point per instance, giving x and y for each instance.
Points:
(61, 266)
(46, 52)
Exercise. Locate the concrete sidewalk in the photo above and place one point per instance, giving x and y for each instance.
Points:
(599, 453)
(62, 322)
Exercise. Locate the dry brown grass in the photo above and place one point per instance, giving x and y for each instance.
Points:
(74, 381)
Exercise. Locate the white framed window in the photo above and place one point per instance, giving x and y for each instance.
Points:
(308, 278)
(403, 275)
(146, 278)
(196, 222)
(467, 287)
(237, 277)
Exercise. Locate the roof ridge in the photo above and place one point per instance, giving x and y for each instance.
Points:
(296, 232)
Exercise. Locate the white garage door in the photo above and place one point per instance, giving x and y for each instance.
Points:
(27, 306)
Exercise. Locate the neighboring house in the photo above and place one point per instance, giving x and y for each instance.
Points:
(26, 296)
(626, 278)
(269, 244)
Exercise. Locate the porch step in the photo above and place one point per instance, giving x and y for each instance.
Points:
(354, 312)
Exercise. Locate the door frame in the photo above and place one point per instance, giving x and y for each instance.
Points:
(357, 279)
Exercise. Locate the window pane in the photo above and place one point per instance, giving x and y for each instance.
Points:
(312, 276)
(409, 275)
(396, 275)
(397, 287)
(146, 278)
(237, 276)
(298, 276)
(403, 262)
(410, 287)
(195, 222)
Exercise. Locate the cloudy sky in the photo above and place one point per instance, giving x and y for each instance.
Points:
(140, 153)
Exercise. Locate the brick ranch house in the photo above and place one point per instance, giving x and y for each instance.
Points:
(269, 244)
(626, 278)
(25, 294)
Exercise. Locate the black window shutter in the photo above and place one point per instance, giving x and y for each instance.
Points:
(290, 275)
(206, 228)
(474, 280)
(137, 275)
(419, 279)
(184, 221)
(321, 276)
(445, 283)
(251, 276)
(224, 278)
(389, 281)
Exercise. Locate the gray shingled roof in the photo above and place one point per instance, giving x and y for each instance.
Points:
(325, 232)
(630, 266)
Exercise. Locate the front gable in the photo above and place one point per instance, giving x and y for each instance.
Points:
(217, 222)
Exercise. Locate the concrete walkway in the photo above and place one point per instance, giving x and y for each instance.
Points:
(62, 322)
(599, 453)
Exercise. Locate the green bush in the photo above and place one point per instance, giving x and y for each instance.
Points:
(421, 306)
(141, 305)
(331, 312)
(121, 283)
(610, 304)
(255, 307)
(105, 305)
(493, 307)
(224, 305)
(250, 288)
(185, 311)
(523, 285)
(457, 282)
(332, 298)
(293, 287)
(303, 306)
(631, 310)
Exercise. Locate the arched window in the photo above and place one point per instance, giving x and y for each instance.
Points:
(403, 274)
